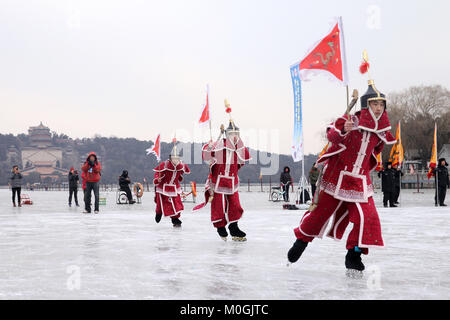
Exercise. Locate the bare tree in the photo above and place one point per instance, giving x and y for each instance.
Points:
(418, 108)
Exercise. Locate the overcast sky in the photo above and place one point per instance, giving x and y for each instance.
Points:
(138, 68)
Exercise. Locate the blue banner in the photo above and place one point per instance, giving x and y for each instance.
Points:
(297, 142)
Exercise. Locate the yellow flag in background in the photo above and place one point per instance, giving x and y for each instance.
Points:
(396, 155)
(433, 160)
(323, 150)
(379, 162)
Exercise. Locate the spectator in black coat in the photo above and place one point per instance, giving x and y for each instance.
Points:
(15, 181)
(442, 182)
(398, 180)
(286, 181)
(73, 186)
(388, 184)
(124, 184)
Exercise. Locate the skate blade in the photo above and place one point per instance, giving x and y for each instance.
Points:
(224, 238)
(177, 226)
(354, 274)
(239, 239)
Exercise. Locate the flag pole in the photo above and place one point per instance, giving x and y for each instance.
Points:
(400, 158)
(209, 111)
(348, 111)
(435, 169)
(210, 130)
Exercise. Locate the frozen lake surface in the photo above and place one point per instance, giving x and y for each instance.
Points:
(51, 251)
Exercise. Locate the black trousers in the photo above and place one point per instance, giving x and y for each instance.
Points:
(92, 186)
(74, 192)
(388, 196)
(396, 194)
(286, 192)
(14, 191)
(128, 191)
(442, 192)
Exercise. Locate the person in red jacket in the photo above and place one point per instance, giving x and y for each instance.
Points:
(83, 182)
(92, 171)
(346, 191)
(168, 176)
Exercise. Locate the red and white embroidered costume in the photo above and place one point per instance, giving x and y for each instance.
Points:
(346, 189)
(225, 158)
(168, 190)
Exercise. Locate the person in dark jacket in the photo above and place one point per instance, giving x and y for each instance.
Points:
(388, 184)
(313, 176)
(397, 181)
(15, 181)
(73, 186)
(124, 184)
(92, 174)
(286, 181)
(442, 182)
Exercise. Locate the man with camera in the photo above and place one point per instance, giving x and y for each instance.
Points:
(92, 171)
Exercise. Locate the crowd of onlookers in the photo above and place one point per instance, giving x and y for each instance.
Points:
(91, 175)
(91, 172)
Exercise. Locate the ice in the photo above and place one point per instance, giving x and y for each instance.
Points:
(122, 253)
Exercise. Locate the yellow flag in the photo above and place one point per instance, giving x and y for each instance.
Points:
(396, 155)
(433, 160)
(323, 150)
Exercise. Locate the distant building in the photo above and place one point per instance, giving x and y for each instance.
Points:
(41, 156)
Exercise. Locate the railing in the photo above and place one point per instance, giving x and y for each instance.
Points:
(409, 181)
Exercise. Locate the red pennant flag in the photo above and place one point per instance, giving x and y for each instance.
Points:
(155, 149)
(327, 56)
(204, 118)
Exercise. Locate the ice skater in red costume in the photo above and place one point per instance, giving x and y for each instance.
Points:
(226, 156)
(346, 189)
(168, 175)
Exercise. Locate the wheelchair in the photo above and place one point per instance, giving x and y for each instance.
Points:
(121, 197)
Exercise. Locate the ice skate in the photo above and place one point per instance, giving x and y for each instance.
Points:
(296, 251)
(236, 233)
(222, 233)
(158, 218)
(96, 211)
(354, 264)
(176, 222)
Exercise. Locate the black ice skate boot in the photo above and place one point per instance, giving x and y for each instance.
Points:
(236, 233)
(353, 263)
(222, 233)
(176, 222)
(296, 251)
(158, 218)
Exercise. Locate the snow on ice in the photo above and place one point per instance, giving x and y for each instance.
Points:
(51, 251)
